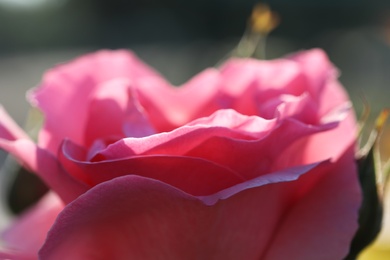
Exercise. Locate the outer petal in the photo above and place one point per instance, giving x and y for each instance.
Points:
(332, 206)
(139, 218)
(12, 255)
(74, 82)
(28, 233)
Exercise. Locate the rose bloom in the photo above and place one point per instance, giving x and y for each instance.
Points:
(253, 160)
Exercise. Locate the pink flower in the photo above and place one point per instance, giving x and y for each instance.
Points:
(254, 160)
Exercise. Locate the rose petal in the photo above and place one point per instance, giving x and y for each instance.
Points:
(127, 217)
(256, 142)
(253, 126)
(249, 83)
(194, 99)
(302, 108)
(319, 146)
(285, 175)
(9, 254)
(321, 77)
(192, 175)
(224, 123)
(253, 158)
(330, 96)
(74, 82)
(276, 76)
(28, 233)
(114, 111)
(335, 198)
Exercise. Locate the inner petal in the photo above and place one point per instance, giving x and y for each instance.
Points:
(115, 112)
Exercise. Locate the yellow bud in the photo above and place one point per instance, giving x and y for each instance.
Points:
(263, 20)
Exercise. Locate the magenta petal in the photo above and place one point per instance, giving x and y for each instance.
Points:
(285, 175)
(343, 135)
(252, 158)
(195, 176)
(171, 107)
(133, 217)
(223, 123)
(302, 108)
(115, 112)
(137, 218)
(255, 142)
(271, 78)
(327, 234)
(46, 166)
(74, 83)
(321, 78)
(12, 255)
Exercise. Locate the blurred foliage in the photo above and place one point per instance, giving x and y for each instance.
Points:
(26, 190)
(372, 179)
(380, 249)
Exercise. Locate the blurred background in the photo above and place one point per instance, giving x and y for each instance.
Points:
(181, 38)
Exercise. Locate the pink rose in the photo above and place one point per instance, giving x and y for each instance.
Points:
(254, 160)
